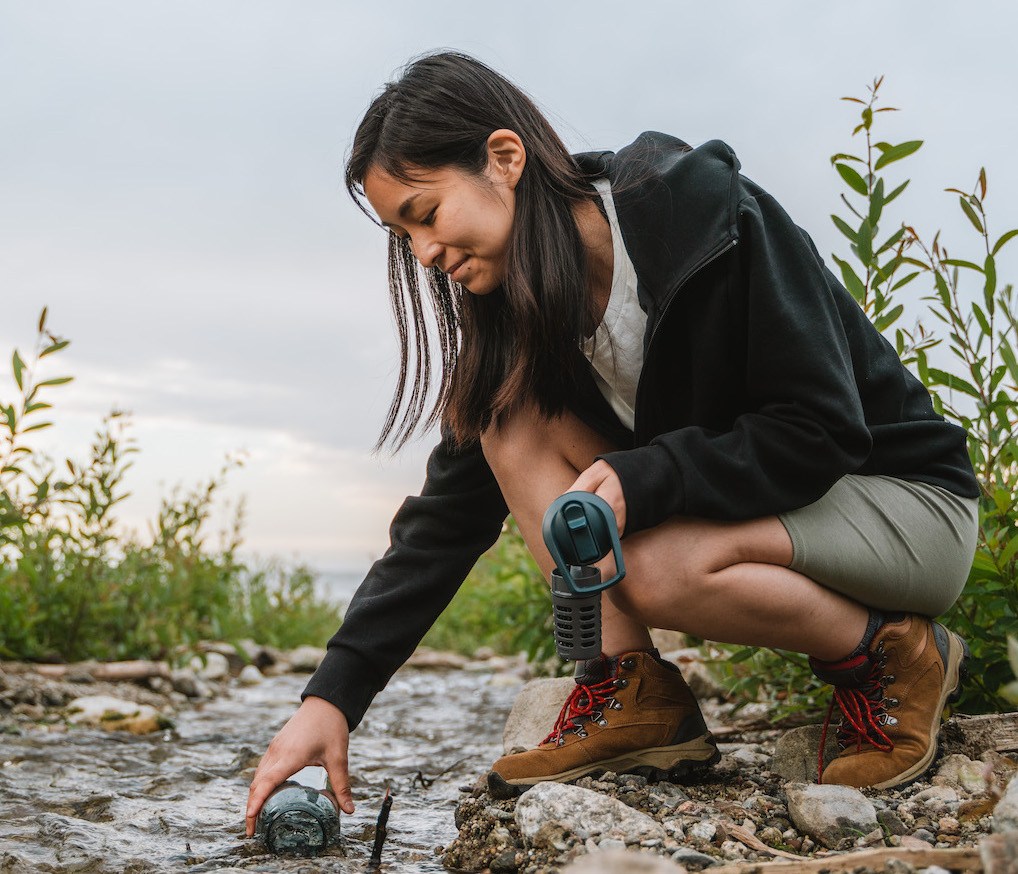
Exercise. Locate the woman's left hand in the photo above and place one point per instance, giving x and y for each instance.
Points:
(601, 479)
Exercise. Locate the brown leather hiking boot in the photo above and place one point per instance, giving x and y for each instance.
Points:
(629, 713)
(891, 699)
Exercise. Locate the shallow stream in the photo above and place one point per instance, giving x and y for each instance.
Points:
(90, 801)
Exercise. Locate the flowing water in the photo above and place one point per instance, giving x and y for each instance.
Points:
(91, 801)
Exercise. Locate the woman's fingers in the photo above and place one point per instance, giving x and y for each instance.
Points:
(339, 780)
(600, 479)
(317, 734)
(269, 775)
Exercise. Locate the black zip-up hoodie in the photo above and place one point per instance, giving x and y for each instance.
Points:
(763, 383)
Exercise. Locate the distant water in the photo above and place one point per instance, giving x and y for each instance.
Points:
(338, 586)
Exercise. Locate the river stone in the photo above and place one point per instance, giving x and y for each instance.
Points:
(795, 753)
(615, 861)
(692, 859)
(115, 714)
(1005, 814)
(937, 794)
(425, 658)
(585, 813)
(211, 666)
(830, 813)
(961, 771)
(305, 659)
(250, 676)
(534, 712)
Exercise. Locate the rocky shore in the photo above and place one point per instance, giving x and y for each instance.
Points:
(756, 811)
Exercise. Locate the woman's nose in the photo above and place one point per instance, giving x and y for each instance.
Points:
(427, 250)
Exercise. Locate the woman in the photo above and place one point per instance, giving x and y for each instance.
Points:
(649, 326)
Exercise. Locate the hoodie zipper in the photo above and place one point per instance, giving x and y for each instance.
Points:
(674, 293)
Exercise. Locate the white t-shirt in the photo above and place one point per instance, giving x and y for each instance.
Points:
(616, 349)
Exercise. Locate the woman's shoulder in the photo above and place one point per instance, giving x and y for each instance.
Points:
(665, 191)
(654, 158)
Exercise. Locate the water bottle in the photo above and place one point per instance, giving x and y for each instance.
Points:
(301, 817)
(579, 528)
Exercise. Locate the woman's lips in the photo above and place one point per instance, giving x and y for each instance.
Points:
(456, 269)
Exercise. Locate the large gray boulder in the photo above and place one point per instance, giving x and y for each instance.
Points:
(584, 813)
(534, 713)
(830, 813)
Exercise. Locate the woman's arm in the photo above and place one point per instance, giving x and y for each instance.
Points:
(435, 539)
(803, 425)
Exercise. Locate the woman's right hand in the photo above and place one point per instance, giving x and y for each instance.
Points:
(317, 734)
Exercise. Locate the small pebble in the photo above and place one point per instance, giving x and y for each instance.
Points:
(702, 831)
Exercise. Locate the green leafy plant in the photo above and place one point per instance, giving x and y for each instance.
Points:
(74, 586)
(977, 388)
(504, 604)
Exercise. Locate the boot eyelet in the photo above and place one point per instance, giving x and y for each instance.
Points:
(622, 682)
(628, 664)
(617, 705)
(602, 722)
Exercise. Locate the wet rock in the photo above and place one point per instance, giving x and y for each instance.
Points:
(115, 714)
(621, 861)
(1005, 814)
(582, 812)
(250, 676)
(795, 753)
(185, 681)
(305, 659)
(961, 771)
(260, 656)
(830, 813)
(211, 666)
(534, 712)
(424, 657)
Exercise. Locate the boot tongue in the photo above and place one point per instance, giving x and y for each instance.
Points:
(597, 670)
(600, 669)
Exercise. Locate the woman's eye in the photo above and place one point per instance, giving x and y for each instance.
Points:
(429, 219)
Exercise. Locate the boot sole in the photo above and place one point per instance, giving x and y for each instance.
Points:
(955, 672)
(672, 763)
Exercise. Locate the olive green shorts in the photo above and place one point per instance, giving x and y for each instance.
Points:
(888, 543)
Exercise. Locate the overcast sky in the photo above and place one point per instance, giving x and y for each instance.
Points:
(170, 185)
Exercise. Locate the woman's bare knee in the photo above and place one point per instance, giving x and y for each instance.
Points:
(523, 438)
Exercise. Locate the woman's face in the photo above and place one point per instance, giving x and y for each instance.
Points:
(456, 221)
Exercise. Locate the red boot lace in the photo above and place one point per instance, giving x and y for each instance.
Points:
(864, 713)
(582, 702)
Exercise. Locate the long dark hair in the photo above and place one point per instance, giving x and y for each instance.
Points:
(521, 341)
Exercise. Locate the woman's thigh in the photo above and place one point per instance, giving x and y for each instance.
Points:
(887, 543)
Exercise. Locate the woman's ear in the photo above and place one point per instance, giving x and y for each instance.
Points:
(506, 157)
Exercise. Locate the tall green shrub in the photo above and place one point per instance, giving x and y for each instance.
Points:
(975, 386)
